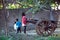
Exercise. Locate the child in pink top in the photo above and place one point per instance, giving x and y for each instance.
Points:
(24, 21)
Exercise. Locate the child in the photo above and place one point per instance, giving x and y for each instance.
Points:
(24, 21)
(18, 25)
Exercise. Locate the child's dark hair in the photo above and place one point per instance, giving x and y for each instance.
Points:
(16, 19)
(23, 14)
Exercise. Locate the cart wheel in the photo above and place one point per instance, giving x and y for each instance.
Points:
(45, 28)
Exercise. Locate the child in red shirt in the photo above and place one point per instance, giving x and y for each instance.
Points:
(24, 21)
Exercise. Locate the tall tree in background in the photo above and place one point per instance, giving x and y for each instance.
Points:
(5, 15)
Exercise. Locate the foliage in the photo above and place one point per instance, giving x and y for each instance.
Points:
(1, 6)
(40, 5)
(25, 4)
(13, 6)
(35, 5)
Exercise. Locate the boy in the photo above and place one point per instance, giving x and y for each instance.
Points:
(18, 25)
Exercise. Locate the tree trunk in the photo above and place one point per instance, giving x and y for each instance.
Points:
(6, 31)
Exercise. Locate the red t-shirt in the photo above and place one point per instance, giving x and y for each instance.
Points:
(24, 20)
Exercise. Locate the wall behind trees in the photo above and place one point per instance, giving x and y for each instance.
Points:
(17, 13)
(11, 16)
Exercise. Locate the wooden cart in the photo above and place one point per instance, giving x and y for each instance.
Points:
(44, 27)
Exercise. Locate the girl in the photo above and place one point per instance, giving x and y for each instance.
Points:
(24, 21)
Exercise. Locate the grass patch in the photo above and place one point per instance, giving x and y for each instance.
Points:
(53, 37)
(30, 37)
(3, 38)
